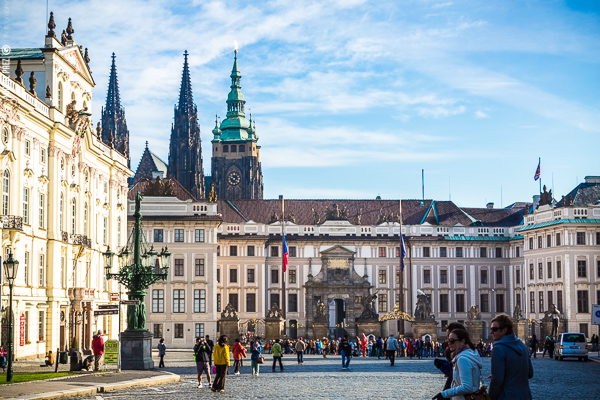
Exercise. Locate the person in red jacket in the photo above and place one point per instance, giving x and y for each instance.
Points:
(238, 352)
(98, 349)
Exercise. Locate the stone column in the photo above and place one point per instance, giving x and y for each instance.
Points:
(274, 328)
(421, 328)
(368, 326)
(520, 328)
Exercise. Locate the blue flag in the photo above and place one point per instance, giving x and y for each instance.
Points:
(402, 253)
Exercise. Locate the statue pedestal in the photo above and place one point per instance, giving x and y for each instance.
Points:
(136, 351)
(274, 328)
(546, 328)
(520, 328)
(368, 326)
(320, 330)
(475, 328)
(230, 327)
(422, 328)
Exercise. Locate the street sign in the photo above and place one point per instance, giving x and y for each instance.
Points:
(106, 312)
(596, 314)
(108, 307)
(114, 296)
(130, 302)
(111, 352)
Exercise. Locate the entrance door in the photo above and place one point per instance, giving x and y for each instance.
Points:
(340, 317)
(293, 329)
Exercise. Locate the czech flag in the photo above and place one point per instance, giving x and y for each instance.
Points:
(402, 252)
(538, 171)
(285, 255)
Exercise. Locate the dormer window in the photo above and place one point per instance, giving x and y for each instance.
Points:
(225, 148)
(233, 148)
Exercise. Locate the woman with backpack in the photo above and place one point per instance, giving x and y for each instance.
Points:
(222, 362)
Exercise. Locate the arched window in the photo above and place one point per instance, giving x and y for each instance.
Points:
(60, 97)
(5, 192)
(85, 219)
(61, 206)
(73, 215)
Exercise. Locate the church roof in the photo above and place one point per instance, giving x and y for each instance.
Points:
(180, 192)
(149, 163)
(585, 193)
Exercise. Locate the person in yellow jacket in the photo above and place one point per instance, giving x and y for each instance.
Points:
(221, 360)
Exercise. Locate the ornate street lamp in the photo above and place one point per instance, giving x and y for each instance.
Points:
(10, 269)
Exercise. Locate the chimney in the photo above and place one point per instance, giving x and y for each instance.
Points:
(490, 205)
(536, 201)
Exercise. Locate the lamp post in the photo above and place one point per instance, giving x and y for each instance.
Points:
(10, 269)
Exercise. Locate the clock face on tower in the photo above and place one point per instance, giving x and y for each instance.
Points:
(233, 179)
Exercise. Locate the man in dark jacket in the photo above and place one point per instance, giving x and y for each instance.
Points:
(210, 344)
(202, 354)
(511, 365)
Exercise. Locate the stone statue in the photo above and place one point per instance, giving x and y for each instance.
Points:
(319, 309)
(423, 308)
(381, 218)
(545, 197)
(554, 316)
(99, 131)
(473, 313)
(72, 114)
(358, 217)
(229, 312)
(274, 218)
(274, 312)
(292, 218)
(369, 307)
(111, 139)
(518, 313)
(32, 83)
(63, 38)
(316, 217)
(48, 92)
(212, 193)
(19, 73)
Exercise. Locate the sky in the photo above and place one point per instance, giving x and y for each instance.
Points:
(354, 98)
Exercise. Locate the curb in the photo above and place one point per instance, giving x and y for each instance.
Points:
(158, 380)
(596, 360)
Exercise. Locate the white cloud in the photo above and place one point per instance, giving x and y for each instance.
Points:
(480, 114)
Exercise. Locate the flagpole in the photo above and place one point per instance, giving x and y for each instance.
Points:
(283, 306)
(401, 277)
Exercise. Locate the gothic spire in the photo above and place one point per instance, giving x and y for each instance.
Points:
(113, 99)
(186, 101)
(114, 126)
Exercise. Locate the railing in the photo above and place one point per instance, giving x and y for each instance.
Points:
(81, 240)
(12, 222)
(23, 93)
(64, 236)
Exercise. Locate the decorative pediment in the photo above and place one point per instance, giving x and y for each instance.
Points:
(338, 251)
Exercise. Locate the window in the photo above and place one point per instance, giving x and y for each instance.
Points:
(499, 302)
(397, 277)
(178, 300)
(26, 206)
(218, 275)
(233, 275)
(550, 299)
(518, 299)
(530, 243)
(292, 302)
(460, 302)
(580, 237)
(158, 331)
(233, 251)
(558, 269)
(443, 276)
(199, 300)
(158, 235)
(292, 251)
(73, 215)
(582, 301)
(558, 239)
(292, 275)
(178, 270)
(549, 270)
(548, 240)
(531, 271)
(483, 252)
(250, 302)
(532, 301)
(274, 276)
(539, 242)
(459, 276)
(540, 271)
(274, 299)
(443, 252)
(26, 326)
(26, 269)
(42, 155)
(518, 251)
(484, 277)
(219, 302)
(499, 277)
(541, 297)
(233, 300)
(199, 235)
(274, 251)
(382, 303)
(426, 252)
(484, 300)
(581, 269)
(382, 276)
(233, 148)
(559, 300)
(518, 276)
(60, 97)
(61, 205)
(426, 276)
(42, 215)
(382, 252)
(158, 301)
(178, 331)
(498, 252)
(583, 328)
(459, 252)
(105, 231)
(41, 326)
(250, 251)
(42, 274)
(199, 267)
(199, 331)
(27, 147)
(225, 148)
(179, 235)
(250, 275)
(598, 268)
(597, 238)
(443, 302)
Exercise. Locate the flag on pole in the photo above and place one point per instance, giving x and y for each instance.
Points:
(285, 255)
(402, 252)
(538, 171)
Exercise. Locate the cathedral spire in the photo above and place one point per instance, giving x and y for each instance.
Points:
(186, 101)
(113, 99)
(113, 115)
(235, 99)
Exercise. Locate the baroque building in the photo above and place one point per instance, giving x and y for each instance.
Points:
(64, 195)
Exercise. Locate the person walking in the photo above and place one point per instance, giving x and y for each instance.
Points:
(202, 354)
(392, 347)
(346, 352)
(277, 351)
(511, 364)
(162, 350)
(466, 374)
(210, 344)
(379, 347)
(222, 362)
(300, 347)
(238, 352)
(547, 345)
(533, 344)
(98, 349)
(254, 357)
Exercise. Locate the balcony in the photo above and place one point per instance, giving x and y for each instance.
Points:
(12, 222)
(81, 240)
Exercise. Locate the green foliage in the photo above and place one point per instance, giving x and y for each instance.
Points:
(36, 376)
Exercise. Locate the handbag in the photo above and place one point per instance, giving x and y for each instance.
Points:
(214, 369)
(260, 360)
(480, 394)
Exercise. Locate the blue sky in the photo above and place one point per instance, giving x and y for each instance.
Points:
(353, 98)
